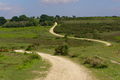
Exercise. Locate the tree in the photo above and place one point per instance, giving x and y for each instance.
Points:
(43, 19)
(2, 21)
(15, 18)
(33, 21)
(46, 20)
(73, 17)
(57, 17)
(23, 18)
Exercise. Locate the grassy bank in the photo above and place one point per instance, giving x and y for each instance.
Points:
(20, 66)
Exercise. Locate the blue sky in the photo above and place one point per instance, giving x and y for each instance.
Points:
(9, 8)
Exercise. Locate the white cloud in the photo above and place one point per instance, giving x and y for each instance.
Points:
(58, 1)
(5, 7)
(11, 8)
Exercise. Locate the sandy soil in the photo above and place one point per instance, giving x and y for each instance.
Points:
(64, 69)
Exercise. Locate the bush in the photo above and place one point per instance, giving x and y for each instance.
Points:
(95, 62)
(30, 47)
(61, 50)
(34, 56)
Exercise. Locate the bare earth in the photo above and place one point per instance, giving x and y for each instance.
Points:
(58, 35)
(64, 69)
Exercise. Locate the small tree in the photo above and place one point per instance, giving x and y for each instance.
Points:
(23, 18)
(15, 18)
(2, 21)
(61, 50)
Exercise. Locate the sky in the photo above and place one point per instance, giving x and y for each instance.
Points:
(81, 8)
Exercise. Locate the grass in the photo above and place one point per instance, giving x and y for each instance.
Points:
(79, 52)
(20, 38)
(112, 72)
(17, 66)
(107, 53)
(98, 29)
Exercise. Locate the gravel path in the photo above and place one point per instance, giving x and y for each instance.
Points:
(64, 69)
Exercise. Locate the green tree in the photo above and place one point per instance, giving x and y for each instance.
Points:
(23, 18)
(46, 20)
(2, 21)
(15, 18)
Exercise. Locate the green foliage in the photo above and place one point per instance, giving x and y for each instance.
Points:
(2, 21)
(17, 24)
(61, 50)
(23, 18)
(21, 21)
(15, 18)
(30, 47)
(46, 20)
(21, 66)
(34, 55)
(88, 28)
(95, 62)
(30, 59)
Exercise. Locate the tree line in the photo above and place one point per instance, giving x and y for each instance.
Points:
(25, 21)
(44, 20)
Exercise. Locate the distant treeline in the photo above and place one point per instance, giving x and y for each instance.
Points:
(44, 20)
(25, 21)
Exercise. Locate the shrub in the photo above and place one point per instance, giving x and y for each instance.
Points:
(61, 50)
(30, 47)
(34, 56)
(95, 62)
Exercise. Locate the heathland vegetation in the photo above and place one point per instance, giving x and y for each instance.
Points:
(31, 33)
(97, 28)
(103, 61)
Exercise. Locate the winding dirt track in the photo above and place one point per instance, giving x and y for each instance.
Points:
(58, 35)
(64, 69)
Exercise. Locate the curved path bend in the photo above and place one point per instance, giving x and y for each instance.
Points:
(63, 69)
(59, 35)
